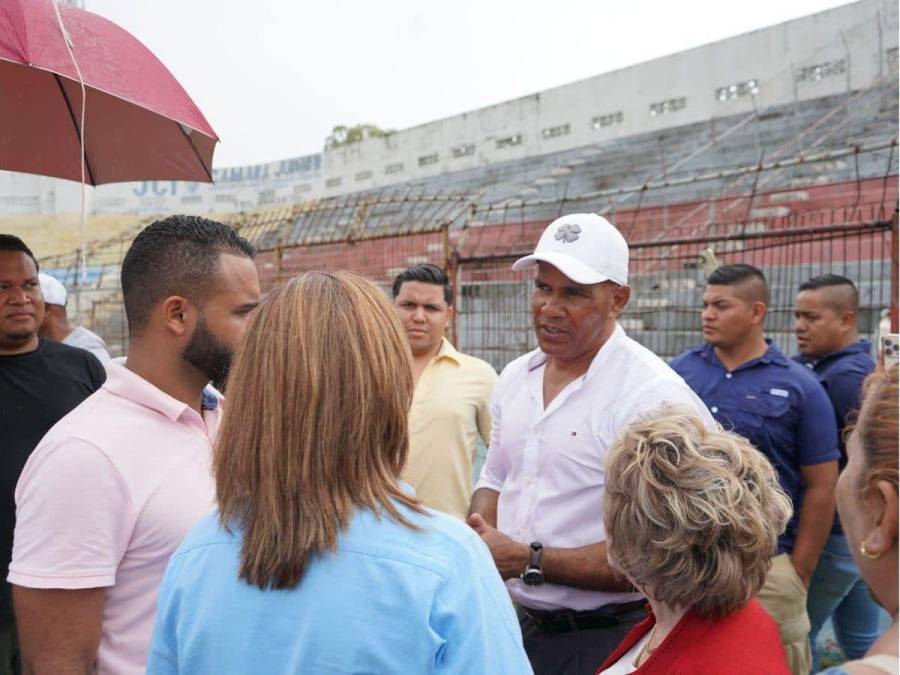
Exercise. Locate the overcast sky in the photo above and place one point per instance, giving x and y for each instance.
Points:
(274, 76)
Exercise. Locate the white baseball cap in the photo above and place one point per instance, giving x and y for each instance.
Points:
(583, 246)
(53, 291)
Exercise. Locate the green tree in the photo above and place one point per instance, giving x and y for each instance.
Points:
(343, 135)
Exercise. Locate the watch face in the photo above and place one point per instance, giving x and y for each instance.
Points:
(533, 577)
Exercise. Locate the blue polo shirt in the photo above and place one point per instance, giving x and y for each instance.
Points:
(775, 403)
(842, 374)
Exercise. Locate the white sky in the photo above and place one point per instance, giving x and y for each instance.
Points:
(274, 76)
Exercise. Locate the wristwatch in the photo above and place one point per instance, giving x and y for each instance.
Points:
(533, 575)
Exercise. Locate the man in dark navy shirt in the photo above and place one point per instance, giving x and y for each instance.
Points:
(40, 382)
(752, 388)
(826, 311)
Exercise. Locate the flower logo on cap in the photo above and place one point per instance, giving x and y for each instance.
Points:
(567, 233)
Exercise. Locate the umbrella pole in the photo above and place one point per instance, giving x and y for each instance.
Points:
(83, 249)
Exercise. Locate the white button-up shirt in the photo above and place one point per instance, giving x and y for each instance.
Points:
(548, 464)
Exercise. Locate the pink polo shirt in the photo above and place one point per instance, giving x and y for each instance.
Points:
(106, 498)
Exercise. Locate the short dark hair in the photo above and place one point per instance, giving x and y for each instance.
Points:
(832, 281)
(177, 255)
(10, 242)
(739, 273)
(425, 273)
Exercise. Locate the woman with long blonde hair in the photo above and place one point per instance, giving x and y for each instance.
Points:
(319, 560)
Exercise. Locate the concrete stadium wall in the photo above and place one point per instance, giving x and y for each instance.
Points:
(236, 188)
(850, 48)
(854, 47)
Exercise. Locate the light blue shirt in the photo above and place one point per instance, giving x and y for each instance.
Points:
(390, 600)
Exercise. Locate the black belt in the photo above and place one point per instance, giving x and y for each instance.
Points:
(554, 622)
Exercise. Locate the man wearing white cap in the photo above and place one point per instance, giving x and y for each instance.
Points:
(539, 502)
(57, 326)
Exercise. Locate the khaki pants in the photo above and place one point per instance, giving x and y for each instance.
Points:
(784, 597)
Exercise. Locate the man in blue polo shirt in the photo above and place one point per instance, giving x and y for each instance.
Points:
(826, 310)
(751, 387)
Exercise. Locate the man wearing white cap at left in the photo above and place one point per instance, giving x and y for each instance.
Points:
(57, 326)
(539, 502)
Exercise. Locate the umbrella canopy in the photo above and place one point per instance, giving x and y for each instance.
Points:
(140, 124)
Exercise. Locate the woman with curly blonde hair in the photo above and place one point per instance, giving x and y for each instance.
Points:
(692, 519)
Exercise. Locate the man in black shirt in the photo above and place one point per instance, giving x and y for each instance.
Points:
(40, 382)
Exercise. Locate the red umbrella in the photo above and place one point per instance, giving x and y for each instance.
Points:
(140, 124)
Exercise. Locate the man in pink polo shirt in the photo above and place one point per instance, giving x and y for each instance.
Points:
(110, 491)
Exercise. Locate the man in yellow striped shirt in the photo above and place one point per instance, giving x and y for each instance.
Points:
(451, 403)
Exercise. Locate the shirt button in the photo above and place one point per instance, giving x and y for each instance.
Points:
(728, 375)
(714, 409)
(519, 531)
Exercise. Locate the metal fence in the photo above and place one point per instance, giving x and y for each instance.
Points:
(777, 215)
(375, 235)
(493, 318)
(667, 278)
(95, 294)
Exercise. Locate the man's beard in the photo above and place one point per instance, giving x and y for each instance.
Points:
(208, 354)
(18, 336)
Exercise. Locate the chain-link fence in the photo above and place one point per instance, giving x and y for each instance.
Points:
(667, 279)
(95, 294)
(788, 215)
(493, 318)
(377, 236)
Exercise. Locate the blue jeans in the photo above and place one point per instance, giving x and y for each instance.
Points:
(838, 591)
